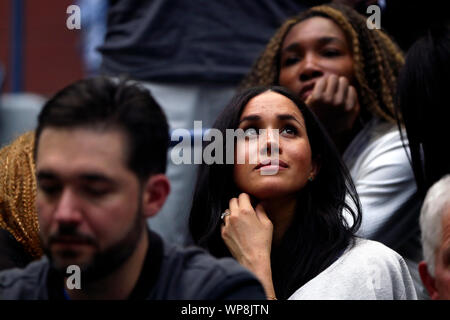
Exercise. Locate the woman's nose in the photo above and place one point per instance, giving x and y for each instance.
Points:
(309, 68)
(270, 146)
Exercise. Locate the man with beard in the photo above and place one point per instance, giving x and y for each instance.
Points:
(100, 154)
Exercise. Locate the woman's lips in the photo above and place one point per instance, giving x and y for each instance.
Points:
(271, 165)
(271, 168)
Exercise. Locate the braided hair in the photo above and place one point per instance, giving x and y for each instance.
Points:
(18, 214)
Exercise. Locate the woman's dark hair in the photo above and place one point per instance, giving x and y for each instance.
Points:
(422, 100)
(319, 231)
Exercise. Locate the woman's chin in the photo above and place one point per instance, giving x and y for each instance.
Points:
(269, 193)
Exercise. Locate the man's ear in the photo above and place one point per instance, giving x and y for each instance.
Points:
(155, 192)
(428, 280)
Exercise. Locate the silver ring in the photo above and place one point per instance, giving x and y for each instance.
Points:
(224, 214)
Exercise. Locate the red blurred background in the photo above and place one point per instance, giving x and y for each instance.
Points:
(50, 51)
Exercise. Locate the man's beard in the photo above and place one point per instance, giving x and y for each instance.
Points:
(103, 262)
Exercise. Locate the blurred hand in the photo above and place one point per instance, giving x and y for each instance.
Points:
(335, 103)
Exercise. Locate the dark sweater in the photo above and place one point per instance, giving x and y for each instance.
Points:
(169, 273)
(12, 253)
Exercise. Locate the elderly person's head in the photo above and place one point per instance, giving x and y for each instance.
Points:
(435, 225)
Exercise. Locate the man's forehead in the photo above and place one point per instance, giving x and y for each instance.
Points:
(80, 147)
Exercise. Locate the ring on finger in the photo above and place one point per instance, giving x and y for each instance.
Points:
(224, 214)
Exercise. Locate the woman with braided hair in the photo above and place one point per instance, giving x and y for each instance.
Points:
(19, 228)
(346, 73)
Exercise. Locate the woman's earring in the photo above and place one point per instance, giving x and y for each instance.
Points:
(310, 179)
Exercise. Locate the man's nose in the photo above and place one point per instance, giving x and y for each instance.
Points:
(68, 208)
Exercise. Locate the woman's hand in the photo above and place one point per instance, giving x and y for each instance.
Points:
(335, 103)
(247, 232)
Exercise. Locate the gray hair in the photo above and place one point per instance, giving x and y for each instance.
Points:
(431, 214)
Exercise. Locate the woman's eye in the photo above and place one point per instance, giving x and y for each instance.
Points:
(331, 53)
(290, 61)
(289, 130)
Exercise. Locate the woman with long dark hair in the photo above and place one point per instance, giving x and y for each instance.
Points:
(290, 217)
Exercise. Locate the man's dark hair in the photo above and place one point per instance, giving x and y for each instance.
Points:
(101, 103)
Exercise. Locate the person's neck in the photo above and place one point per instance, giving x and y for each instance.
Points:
(281, 212)
(343, 139)
(119, 284)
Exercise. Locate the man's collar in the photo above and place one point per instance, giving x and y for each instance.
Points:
(146, 281)
(150, 269)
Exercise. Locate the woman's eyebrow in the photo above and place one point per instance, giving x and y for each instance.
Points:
(327, 40)
(286, 116)
(292, 47)
(250, 118)
(322, 41)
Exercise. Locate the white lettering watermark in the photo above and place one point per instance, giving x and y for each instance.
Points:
(241, 147)
(374, 21)
(74, 280)
(74, 20)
